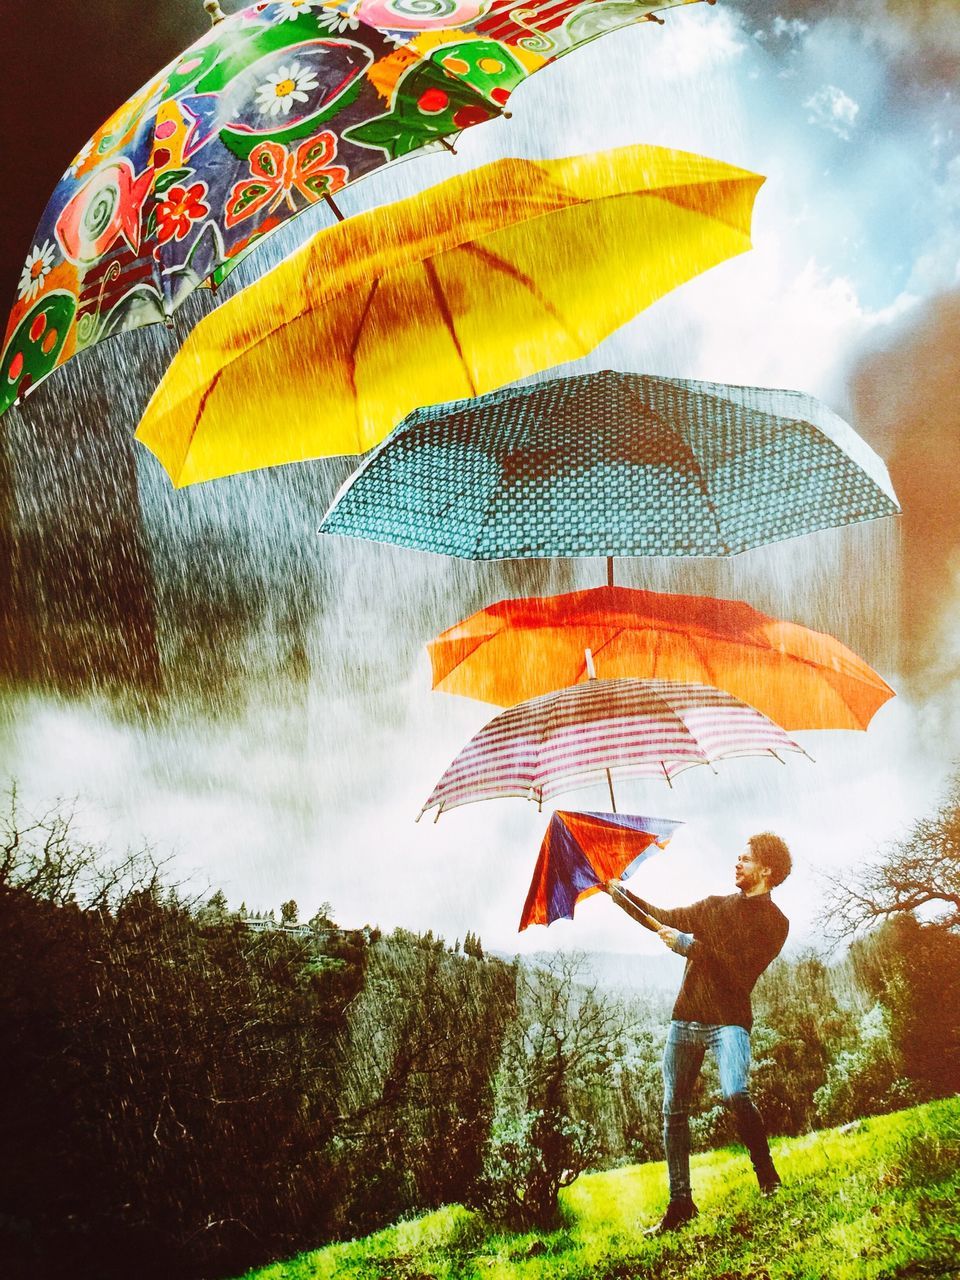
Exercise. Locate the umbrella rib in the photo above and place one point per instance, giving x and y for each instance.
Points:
(843, 694)
(508, 269)
(441, 302)
(694, 642)
(199, 414)
(352, 356)
(278, 326)
(698, 472)
(705, 487)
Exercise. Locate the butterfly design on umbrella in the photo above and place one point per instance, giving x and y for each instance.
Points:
(276, 173)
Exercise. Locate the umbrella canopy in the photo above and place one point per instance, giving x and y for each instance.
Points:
(581, 851)
(487, 277)
(587, 733)
(276, 107)
(519, 649)
(613, 464)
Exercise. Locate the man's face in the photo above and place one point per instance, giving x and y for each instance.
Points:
(748, 872)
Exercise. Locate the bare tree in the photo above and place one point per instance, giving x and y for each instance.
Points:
(563, 1046)
(921, 870)
(43, 855)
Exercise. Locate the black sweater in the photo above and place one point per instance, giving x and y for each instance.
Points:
(736, 938)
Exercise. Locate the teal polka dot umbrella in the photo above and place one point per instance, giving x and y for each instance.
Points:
(613, 464)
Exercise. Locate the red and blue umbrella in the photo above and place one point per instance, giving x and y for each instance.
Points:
(581, 851)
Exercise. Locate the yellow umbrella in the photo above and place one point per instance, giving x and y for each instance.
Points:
(485, 278)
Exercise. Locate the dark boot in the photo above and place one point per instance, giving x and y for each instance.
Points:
(679, 1212)
(753, 1135)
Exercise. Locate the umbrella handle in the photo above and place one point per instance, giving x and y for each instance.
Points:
(332, 204)
(642, 917)
(613, 799)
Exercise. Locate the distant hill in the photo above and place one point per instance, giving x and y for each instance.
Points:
(623, 973)
(627, 972)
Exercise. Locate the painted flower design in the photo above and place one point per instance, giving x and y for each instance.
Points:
(37, 267)
(285, 87)
(290, 10)
(179, 209)
(335, 21)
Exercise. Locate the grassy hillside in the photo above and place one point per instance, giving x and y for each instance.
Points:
(877, 1201)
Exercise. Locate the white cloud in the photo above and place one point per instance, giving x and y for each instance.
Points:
(698, 47)
(833, 109)
(794, 326)
(792, 28)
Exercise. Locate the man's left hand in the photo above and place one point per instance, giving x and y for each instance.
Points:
(668, 936)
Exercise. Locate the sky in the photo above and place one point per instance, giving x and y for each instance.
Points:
(851, 293)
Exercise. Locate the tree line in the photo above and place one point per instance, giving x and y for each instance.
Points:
(186, 1096)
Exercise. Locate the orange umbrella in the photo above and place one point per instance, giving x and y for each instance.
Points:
(520, 649)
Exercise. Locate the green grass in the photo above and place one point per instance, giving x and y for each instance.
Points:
(876, 1202)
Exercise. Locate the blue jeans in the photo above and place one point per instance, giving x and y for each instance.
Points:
(687, 1042)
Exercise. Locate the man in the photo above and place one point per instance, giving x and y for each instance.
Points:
(728, 942)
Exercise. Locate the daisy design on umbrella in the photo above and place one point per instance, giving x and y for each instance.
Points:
(37, 267)
(336, 20)
(286, 86)
(80, 159)
(290, 10)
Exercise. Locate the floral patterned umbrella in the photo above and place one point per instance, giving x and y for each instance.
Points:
(275, 108)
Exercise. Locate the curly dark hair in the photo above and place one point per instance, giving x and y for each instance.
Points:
(771, 852)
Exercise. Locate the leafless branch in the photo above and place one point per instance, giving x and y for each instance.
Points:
(922, 870)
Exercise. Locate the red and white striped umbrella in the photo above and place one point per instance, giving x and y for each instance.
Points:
(588, 732)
